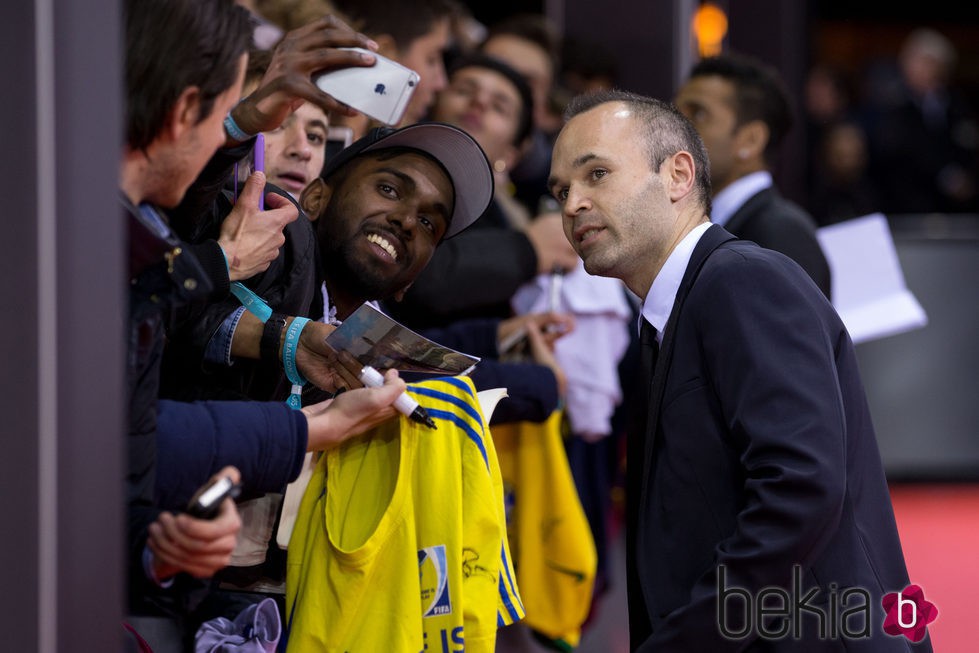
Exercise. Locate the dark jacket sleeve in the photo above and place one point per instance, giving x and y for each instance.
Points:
(266, 441)
(211, 258)
(531, 390)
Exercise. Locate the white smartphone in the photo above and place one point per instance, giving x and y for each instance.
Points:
(381, 91)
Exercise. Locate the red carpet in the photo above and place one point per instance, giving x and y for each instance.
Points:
(939, 527)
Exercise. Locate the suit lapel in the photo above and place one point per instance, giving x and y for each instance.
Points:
(638, 475)
(710, 241)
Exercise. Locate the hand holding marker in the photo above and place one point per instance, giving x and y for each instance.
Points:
(403, 404)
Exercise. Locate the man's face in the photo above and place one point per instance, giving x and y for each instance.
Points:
(531, 61)
(708, 102)
(424, 56)
(294, 152)
(180, 165)
(616, 212)
(381, 223)
(486, 105)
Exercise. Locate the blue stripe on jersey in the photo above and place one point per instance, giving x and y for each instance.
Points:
(505, 595)
(505, 559)
(455, 401)
(461, 423)
(459, 383)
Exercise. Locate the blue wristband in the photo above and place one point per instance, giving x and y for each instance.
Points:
(252, 302)
(234, 131)
(289, 360)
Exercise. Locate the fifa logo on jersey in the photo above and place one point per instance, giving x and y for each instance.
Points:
(433, 578)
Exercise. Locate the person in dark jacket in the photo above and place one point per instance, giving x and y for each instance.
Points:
(742, 111)
(754, 469)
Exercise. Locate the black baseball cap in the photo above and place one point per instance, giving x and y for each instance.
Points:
(456, 151)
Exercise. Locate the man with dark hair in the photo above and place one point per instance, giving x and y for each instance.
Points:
(531, 44)
(742, 111)
(386, 201)
(753, 475)
(204, 51)
(178, 115)
(158, 165)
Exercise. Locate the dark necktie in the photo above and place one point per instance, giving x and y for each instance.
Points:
(649, 351)
(635, 462)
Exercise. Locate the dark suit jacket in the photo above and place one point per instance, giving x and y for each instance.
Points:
(760, 456)
(774, 222)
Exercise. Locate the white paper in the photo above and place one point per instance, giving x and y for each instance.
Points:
(488, 400)
(868, 287)
(293, 497)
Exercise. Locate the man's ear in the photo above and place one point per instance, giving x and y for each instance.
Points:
(751, 140)
(185, 112)
(315, 197)
(398, 296)
(682, 174)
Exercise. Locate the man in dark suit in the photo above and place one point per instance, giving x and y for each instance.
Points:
(758, 514)
(742, 111)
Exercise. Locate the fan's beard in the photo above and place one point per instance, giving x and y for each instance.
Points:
(360, 281)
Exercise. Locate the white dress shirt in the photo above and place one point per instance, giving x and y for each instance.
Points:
(662, 294)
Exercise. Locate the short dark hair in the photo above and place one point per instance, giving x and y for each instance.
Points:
(665, 131)
(404, 20)
(529, 26)
(525, 121)
(175, 44)
(759, 94)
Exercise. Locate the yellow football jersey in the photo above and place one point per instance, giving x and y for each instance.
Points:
(400, 543)
(555, 552)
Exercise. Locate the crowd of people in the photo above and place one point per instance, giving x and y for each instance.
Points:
(527, 214)
(897, 136)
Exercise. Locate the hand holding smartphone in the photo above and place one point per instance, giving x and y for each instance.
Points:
(381, 91)
(206, 502)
